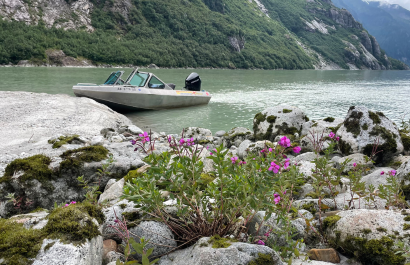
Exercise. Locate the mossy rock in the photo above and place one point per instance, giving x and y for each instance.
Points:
(371, 252)
(263, 259)
(219, 242)
(34, 167)
(329, 119)
(389, 147)
(352, 124)
(287, 110)
(375, 117)
(406, 141)
(330, 221)
(77, 157)
(62, 140)
(72, 224)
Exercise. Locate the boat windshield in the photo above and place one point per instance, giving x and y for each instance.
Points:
(112, 78)
(139, 79)
(155, 83)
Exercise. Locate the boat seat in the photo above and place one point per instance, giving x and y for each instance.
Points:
(171, 86)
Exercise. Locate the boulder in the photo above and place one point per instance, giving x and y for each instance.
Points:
(121, 210)
(313, 131)
(369, 235)
(279, 120)
(247, 147)
(200, 135)
(362, 129)
(113, 193)
(35, 220)
(236, 136)
(202, 253)
(324, 126)
(376, 178)
(159, 235)
(55, 252)
(358, 159)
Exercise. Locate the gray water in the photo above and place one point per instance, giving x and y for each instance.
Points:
(237, 95)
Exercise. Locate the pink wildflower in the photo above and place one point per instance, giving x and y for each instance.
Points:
(260, 242)
(145, 136)
(275, 168)
(73, 202)
(66, 205)
(234, 159)
(286, 164)
(392, 172)
(337, 138)
(211, 153)
(354, 164)
(331, 135)
(277, 199)
(284, 141)
(182, 141)
(270, 150)
(382, 173)
(296, 149)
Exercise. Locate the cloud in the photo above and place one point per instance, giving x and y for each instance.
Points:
(403, 3)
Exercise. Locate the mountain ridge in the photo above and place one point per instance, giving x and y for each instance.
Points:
(189, 33)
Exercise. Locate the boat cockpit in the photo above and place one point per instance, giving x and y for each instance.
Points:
(139, 79)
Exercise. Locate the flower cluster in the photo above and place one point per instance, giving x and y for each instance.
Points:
(188, 142)
(390, 173)
(277, 198)
(332, 136)
(68, 204)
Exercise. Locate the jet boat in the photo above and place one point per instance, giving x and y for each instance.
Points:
(143, 90)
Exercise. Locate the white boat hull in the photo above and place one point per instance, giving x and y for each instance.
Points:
(131, 97)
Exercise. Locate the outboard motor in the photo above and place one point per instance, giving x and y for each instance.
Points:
(193, 82)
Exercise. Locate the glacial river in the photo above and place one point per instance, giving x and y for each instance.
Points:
(239, 94)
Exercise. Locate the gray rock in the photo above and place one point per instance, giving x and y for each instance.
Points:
(236, 136)
(159, 235)
(116, 139)
(380, 223)
(247, 147)
(134, 130)
(97, 140)
(278, 120)
(359, 159)
(203, 254)
(305, 157)
(220, 133)
(320, 126)
(375, 178)
(114, 212)
(200, 135)
(363, 128)
(88, 253)
(113, 193)
(109, 183)
(32, 220)
(113, 256)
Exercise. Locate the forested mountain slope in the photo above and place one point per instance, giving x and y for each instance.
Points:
(270, 34)
(390, 24)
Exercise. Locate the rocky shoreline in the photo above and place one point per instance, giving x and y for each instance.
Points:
(48, 141)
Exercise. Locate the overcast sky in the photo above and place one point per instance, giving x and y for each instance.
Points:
(403, 3)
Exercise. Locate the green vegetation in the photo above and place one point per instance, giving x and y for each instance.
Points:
(263, 259)
(34, 167)
(287, 110)
(75, 158)
(191, 33)
(330, 221)
(219, 242)
(381, 229)
(406, 141)
(62, 140)
(375, 118)
(132, 174)
(329, 119)
(378, 252)
(70, 224)
(170, 33)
